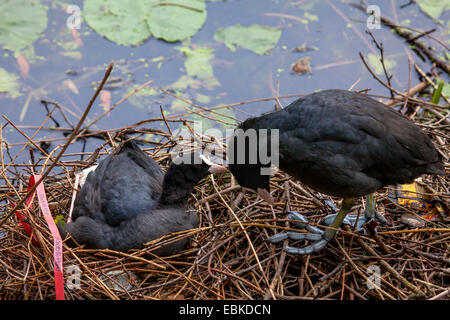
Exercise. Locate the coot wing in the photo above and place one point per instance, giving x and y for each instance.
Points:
(345, 144)
(124, 185)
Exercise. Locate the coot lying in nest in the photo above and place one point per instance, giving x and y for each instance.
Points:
(128, 201)
(340, 143)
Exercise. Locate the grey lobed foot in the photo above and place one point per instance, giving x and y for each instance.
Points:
(317, 236)
(369, 215)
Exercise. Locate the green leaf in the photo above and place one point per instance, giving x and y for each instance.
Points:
(130, 22)
(187, 82)
(198, 62)
(60, 219)
(202, 98)
(311, 17)
(143, 98)
(178, 104)
(434, 8)
(9, 83)
(257, 38)
(72, 54)
(176, 20)
(29, 54)
(121, 21)
(21, 23)
(375, 63)
(437, 93)
(445, 88)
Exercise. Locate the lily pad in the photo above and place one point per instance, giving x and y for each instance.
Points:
(130, 22)
(179, 105)
(434, 8)
(187, 82)
(257, 38)
(21, 23)
(9, 83)
(121, 21)
(143, 98)
(176, 20)
(198, 62)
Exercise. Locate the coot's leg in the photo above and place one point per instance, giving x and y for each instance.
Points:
(319, 237)
(369, 214)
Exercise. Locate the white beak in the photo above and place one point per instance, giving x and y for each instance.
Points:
(213, 168)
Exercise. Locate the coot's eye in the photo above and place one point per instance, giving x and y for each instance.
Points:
(199, 166)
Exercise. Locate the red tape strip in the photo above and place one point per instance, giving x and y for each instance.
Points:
(23, 218)
(57, 242)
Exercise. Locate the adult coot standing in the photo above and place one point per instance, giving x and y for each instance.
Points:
(128, 201)
(340, 143)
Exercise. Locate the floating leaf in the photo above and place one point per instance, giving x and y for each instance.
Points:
(71, 86)
(121, 21)
(130, 22)
(302, 66)
(24, 66)
(178, 104)
(311, 17)
(375, 63)
(72, 54)
(9, 83)
(198, 62)
(257, 38)
(29, 54)
(21, 23)
(143, 98)
(434, 8)
(77, 38)
(185, 82)
(105, 98)
(202, 98)
(176, 20)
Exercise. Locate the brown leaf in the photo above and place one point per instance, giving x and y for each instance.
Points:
(24, 66)
(302, 66)
(71, 85)
(105, 97)
(76, 36)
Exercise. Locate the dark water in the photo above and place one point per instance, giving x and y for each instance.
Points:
(243, 75)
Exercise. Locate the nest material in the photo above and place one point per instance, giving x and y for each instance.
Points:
(228, 257)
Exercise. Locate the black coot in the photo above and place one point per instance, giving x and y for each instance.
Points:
(128, 201)
(340, 143)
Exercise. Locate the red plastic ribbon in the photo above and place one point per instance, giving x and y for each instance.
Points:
(22, 217)
(57, 242)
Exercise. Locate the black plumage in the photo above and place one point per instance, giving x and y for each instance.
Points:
(341, 143)
(128, 201)
(345, 144)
